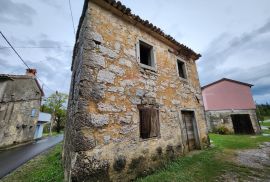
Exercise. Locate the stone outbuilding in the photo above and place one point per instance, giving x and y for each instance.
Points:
(20, 99)
(135, 98)
(230, 103)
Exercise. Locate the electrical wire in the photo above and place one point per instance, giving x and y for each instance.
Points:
(23, 60)
(34, 47)
(71, 14)
(14, 50)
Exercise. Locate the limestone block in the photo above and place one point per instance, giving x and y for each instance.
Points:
(130, 52)
(94, 36)
(135, 100)
(126, 83)
(116, 89)
(110, 107)
(99, 120)
(105, 76)
(125, 62)
(125, 120)
(107, 52)
(107, 139)
(83, 143)
(94, 59)
(140, 92)
(117, 46)
(117, 70)
(151, 94)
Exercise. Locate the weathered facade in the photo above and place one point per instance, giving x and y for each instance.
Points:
(135, 99)
(229, 103)
(20, 97)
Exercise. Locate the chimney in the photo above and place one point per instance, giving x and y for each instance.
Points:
(31, 72)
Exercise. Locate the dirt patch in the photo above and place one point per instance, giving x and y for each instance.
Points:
(252, 165)
(255, 158)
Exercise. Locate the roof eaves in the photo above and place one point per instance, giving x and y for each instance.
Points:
(226, 79)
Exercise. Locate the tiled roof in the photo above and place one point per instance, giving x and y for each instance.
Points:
(127, 11)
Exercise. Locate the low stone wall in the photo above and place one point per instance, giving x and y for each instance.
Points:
(217, 118)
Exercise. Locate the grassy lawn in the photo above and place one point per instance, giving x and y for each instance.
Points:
(266, 131)
(265, 124)
(208, 165)
(237, 141)
(211, 163)
(46, 167)
(266, 117)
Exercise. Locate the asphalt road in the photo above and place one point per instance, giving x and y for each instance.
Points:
(14, 158)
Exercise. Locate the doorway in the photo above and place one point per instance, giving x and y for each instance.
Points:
(190, 130)
(242, 124)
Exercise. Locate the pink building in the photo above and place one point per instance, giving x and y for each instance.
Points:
(230, 103)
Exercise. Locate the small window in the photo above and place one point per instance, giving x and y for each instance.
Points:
(149, 123)
(146, 54)
(181, 69)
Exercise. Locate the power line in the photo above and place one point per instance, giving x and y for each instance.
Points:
(14, 50)
(34, 47)
(44, 83)
(71, 16)
(22, 59)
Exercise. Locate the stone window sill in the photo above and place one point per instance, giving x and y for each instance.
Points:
(151, 68)
(185, 80)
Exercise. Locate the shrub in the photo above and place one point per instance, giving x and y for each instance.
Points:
(222, 130)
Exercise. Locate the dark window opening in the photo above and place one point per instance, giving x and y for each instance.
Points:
(146, 54)
(149, 123)
(181, 69)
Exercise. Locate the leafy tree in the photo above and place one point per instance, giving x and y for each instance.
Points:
(263, 110)
(56, 105)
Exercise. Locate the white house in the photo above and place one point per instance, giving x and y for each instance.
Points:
(43, 118)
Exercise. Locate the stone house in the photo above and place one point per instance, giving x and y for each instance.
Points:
(135, 99)
(20, 98)
(229, 103)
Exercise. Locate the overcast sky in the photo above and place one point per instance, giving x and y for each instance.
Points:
(232, 36)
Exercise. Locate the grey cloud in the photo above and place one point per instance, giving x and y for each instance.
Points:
(226, 48)
(19, 13)
(52, 3)
(217, 53)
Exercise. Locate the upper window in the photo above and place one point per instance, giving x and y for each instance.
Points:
(181, 69)
(146, 54)
(149, 123)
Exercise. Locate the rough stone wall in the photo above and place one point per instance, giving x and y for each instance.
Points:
(102, 140)
(217, 118)
(16, 121)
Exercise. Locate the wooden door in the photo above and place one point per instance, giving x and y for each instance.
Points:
(189, 129)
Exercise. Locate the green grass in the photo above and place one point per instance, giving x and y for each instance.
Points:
(238, 141)
(200, 167)
(46, 167)
(265, 124)
(210, 164)
(266, 117)
(266, 131)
